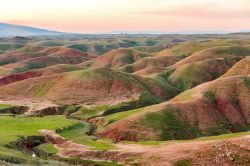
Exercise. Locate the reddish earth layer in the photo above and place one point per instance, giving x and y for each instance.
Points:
(96, 86)
(84, 86)
(64, 51)
(44, 62)
(37, 56)
(18, 77)
(55, 69)
(219, 106)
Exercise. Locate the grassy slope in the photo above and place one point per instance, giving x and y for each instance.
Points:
(213, 94)
(240, 68)
(47, 148)
(121, 115)
(92, 85)
(192, 114)
(117, 58)
(38, 63)
(188, 48)
(12, 128)
(183, 50)
(35, 57)
(5, 106)
(77, 134)
(204, 66)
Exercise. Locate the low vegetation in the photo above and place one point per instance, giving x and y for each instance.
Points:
(30, 66)
(5, 106)
(210, 96)
(47, 149)
(13, 128)
(184, 162)
(80, 133)
(237, 50)
(121, 115)
(171, 125)
(128, 88)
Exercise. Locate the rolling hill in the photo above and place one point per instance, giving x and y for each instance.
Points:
(92, 86)
(213, 108)
(119, 99)
(116, 58)
(35, 57)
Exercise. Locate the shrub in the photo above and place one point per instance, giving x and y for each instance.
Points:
(247, 81)
(146, 98)
(217, 129)
(211, 96)
(127, 59)
(30, 66)
(79, 47)
(184, 162)
(100, 49)
(119, 108)
(150, 42)
(7, 61)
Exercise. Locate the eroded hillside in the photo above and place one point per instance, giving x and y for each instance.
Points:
(121, 99)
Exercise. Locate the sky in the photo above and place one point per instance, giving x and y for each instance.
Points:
(96, 16)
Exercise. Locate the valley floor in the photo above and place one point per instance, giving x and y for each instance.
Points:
(57, 140)
(231, 149)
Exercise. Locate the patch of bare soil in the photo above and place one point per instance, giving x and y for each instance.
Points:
(235, 152)
(229, 152)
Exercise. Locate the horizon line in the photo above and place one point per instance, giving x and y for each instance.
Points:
(142, 32)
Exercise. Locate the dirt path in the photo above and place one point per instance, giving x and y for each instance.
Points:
(165, 154)
(200, 152)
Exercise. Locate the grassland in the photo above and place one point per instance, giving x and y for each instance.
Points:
(77, 134)
(121, 115)
(49, 149)
(5, 106)
(12, 128)
(188, 48)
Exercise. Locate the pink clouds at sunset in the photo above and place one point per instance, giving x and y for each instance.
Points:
(89, 16)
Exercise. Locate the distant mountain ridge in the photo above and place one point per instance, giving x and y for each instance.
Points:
(10, 30)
